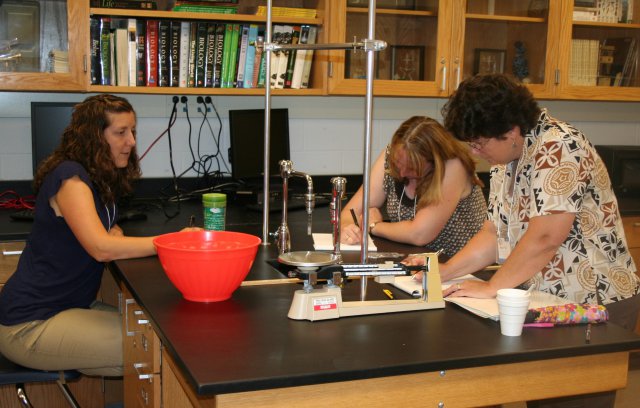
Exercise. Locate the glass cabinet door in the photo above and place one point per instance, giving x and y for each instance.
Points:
(600, 59)
(39, 48)
(513, 37)
(416, 59)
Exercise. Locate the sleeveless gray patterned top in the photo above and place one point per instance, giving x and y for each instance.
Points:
(465, 222)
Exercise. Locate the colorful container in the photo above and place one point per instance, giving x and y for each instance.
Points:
(215, 211)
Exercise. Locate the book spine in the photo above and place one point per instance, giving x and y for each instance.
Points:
(126, 4)
(193, 46)
(283, 58)
(112, 59)
(306, 73)
(141, 52)
(152, 53)
(259, 58)
(210, 56)
(277, 35)
(228, 33)
(251, 56)
(133, 51)
(201, 50)
(94, 37)
(298, 66)
(183, 71)
(233, 58)
(242, 56)
(291, 59)
(164, 29)
(122, 56)
(105, 50)
(174, 53)
(217, 68)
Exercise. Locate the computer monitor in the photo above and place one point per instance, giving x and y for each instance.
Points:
(246, 152)
(48, 121)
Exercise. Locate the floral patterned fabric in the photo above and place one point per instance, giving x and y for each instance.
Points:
(570, 313)
(560, 172)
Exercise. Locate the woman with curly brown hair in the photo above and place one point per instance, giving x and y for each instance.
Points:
(426, 181)
(49, 317)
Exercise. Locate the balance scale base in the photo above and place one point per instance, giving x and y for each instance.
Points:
(326, 303)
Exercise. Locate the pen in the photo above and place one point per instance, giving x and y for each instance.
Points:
(587, 334)
(388, 293)
(355, 218)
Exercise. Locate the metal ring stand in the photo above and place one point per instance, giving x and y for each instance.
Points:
(370, 46)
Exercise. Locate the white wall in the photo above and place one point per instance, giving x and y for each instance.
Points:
(327, 133)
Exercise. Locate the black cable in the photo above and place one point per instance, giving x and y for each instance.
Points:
(172, 121)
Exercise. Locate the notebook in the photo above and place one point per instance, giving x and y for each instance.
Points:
(486, 308)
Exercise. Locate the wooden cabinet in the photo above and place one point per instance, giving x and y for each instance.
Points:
(34, 76)
(431, 47)
(617, 39)
(142, 380)
(246, 14)
(417, 60)
(448, 41)
(443, 42)
(632, 233)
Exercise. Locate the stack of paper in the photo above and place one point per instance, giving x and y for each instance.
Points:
(487, 308)
(324, 242)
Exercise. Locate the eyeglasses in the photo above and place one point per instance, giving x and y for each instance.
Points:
(478, 144)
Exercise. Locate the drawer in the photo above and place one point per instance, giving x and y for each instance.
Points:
(142, 393)
(142, 345)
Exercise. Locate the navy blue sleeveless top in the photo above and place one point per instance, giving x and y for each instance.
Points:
(54, 272)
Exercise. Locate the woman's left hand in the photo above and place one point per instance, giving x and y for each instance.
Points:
(470, 288)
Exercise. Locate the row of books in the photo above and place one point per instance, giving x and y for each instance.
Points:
(608, 11)
(611, 62)
(201, 54)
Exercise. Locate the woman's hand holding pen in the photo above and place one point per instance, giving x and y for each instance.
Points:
(351, 234)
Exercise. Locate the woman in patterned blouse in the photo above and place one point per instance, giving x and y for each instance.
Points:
(554, 222)
(426, 182)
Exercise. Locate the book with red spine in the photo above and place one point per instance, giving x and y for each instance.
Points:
(152, 53)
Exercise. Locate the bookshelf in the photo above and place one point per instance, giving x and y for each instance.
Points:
(244, 18)
(446, 36)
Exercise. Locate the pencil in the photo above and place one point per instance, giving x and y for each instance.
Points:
(355, 218)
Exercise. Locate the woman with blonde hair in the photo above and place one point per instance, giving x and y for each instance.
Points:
(426, 183)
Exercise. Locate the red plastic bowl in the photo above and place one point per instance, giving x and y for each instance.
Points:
(206, 266)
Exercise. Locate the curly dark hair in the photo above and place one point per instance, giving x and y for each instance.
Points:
(489, 106)
(83, 141)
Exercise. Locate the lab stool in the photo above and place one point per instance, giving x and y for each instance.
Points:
(11, 373)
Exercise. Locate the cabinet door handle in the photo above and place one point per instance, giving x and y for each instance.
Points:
(443, 86)
(457, 62)
(7, 252)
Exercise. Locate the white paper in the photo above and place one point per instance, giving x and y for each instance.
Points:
(324, 242)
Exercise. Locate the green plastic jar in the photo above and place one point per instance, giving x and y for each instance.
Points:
(215, 208)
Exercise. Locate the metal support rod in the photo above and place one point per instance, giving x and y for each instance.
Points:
(369, 45)
(364, 248)
(267, 131)
(366, 45)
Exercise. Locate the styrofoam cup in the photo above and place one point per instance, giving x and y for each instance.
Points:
(513, 305)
